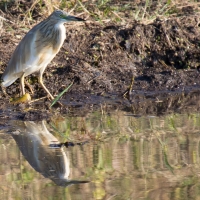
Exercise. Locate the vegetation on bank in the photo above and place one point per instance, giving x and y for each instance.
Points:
(103, 10)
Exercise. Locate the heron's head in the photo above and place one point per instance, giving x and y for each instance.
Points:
(61, 15)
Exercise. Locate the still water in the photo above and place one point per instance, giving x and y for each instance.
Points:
(111, 155)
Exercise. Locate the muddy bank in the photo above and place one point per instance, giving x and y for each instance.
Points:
(155, 103)
(107, 60)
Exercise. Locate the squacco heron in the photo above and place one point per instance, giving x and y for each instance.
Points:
(37, 49)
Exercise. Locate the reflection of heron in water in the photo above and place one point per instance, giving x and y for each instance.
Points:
(33, 141)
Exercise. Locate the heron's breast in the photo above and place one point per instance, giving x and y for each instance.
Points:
(46, 56)
(38, 59)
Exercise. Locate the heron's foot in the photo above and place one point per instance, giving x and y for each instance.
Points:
(57, 103)
(23, 99)
(42, 98)
(60, 104)
(29, 86)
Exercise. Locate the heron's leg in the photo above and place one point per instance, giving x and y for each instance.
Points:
(4, 91)
(22, 84)
(42, 84)
(29, 86)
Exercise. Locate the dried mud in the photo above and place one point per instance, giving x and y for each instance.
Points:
(155, 65)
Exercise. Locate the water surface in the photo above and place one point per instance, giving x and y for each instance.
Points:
(124, 157)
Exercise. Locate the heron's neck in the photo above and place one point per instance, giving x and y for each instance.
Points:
(60, 28)
(54, 33)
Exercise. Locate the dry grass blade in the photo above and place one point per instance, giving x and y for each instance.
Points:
(2, 18)
(83, 7)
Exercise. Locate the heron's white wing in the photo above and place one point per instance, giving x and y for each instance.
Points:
(29, 56)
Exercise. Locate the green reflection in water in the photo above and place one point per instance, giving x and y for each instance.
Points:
(126, 158)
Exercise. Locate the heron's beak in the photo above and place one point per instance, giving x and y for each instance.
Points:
(72, 18)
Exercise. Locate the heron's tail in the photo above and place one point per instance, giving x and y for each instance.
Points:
(7, 80)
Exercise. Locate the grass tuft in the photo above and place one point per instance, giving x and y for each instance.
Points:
(60, 95)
